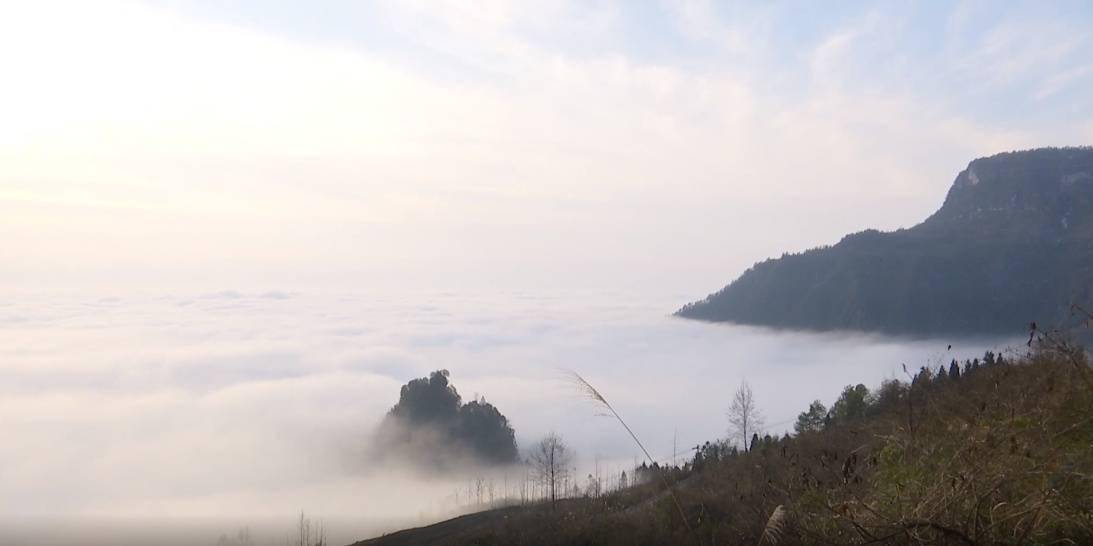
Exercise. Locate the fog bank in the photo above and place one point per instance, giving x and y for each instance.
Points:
(248, 407)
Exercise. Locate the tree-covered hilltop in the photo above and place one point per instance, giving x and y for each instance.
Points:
(1012, 244)
(431, 427)
(993, 451)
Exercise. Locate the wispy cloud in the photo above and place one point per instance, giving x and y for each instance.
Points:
(1067, 78)
(455, 134)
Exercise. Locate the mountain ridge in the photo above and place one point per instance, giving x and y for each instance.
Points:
(1012, 243)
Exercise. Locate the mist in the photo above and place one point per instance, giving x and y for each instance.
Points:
(231, 231)
(243, 408)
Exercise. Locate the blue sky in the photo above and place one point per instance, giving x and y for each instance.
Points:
(993, 59)
(287, 142)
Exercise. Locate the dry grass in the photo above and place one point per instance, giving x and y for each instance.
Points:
(590, 392)
(775, 528)
(1003, 455)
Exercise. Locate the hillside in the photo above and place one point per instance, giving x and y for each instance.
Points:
(997, 453)
(1012, 244)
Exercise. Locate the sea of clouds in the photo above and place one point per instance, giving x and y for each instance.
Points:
(247, 407)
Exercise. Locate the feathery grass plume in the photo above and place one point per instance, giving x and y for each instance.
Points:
(775, 528)
(588, 391)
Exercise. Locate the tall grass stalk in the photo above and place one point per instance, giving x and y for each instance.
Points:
(775, 527)
(590, 392)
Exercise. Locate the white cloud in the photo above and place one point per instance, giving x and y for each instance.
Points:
(1062, 80)
(240, 153)
(193, 415)
(527, 152)
(1021, 52)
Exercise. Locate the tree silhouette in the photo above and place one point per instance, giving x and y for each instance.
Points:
(812, 420)
(852, 403)
(428, 400)
(744, 415)
(432, 425)
(487, 431)
(550, 461)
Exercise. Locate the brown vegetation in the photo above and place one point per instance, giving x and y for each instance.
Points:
(1000, 454)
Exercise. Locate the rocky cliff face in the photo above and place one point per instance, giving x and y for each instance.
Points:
(1012, 243)
(1044, 194)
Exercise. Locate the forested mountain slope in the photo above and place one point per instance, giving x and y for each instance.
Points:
(1012, 244)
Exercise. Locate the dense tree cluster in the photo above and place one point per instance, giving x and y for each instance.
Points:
(857, 401)
(431, 424)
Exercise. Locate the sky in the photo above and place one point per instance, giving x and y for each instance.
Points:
(229, 231)
(660, 147)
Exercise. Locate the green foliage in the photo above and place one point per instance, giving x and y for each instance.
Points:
(812, 420)
(851, 404)
(890, 394)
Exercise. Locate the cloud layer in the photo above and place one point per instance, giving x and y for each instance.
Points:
(242, 404)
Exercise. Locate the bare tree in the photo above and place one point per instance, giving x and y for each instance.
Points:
(744, 416)
(242, 538)
(550, 460)
(309, 535)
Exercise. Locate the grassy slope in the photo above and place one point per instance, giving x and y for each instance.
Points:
(1002, 456)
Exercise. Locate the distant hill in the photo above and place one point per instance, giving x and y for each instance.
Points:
(1013, 243)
